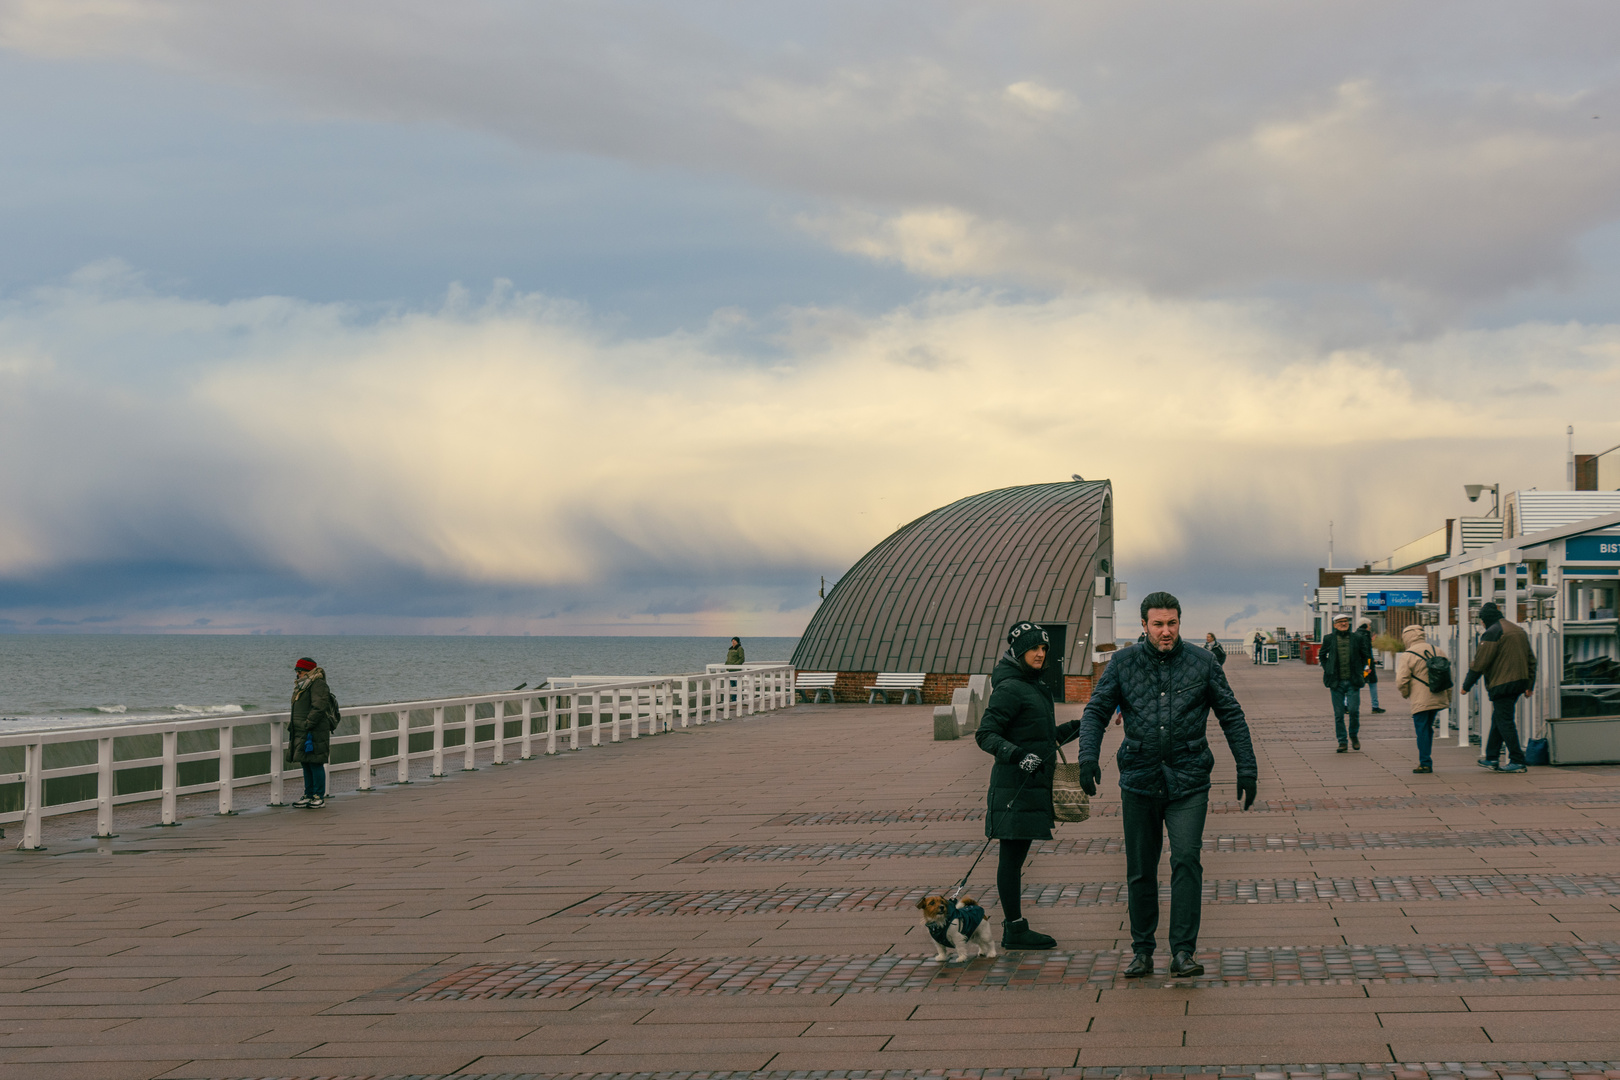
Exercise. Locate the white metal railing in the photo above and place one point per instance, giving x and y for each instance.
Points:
(79, 761)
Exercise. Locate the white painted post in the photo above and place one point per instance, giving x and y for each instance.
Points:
(573, 720)
(615, 697)
(106, 788)
(596, 717)
(227, 770)
(171, 774)
(278, 731)
(402, 727)
(364, 783)
(1443, 632)
(527, 750)
(438, 741)
(683, 703)
(33, 795)
(469, 724)
(500, 732)
(1511, 587)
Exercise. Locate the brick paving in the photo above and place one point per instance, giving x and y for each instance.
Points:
(1114, 845)
(1081, 894)
(1458, 924)
(1016, 971)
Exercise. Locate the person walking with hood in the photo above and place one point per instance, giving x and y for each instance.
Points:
(1165, 690)
(1370, 672)
(1414, 682)
(1508, 666)
(309, 734)
(1020, 729)
(1343, 658)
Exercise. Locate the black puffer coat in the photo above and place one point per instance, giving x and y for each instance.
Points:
(1020, 720)
(1359, 649)
(312, 714)
(1166, 700)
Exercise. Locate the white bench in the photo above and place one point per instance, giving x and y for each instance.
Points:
(816, 683)
(909, 684)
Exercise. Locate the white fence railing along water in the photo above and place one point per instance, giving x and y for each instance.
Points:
(49, 773)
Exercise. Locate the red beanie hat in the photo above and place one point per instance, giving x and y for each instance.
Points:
(305, 664)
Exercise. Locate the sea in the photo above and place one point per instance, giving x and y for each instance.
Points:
(80, 680)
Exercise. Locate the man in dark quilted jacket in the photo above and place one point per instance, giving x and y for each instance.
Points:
(1165, 688)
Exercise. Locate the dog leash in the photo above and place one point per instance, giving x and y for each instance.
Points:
(960, 885)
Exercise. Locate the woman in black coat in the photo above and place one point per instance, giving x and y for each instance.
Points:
(1020, 729)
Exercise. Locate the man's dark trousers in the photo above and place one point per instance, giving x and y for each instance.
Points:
(1346, 700)
(1147, 818)
(1504, 711)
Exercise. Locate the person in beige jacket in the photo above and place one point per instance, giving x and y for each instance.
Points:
(1412, 680)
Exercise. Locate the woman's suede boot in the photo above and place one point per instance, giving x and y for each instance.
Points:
(1016, 934)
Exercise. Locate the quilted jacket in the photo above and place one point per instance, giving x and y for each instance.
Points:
(1019, 720)
(1166, 699)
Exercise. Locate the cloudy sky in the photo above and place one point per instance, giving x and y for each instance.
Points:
(639, 318)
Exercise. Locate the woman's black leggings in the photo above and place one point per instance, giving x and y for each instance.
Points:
(1010, 878)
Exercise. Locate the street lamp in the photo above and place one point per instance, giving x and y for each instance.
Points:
(1473, 492)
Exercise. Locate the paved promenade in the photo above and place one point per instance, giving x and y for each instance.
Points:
(738, 898)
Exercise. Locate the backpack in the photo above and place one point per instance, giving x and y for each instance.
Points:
(337, 715)
(1219, 653)
(1439, 665)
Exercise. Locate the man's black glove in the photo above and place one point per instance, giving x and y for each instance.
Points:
(1090, 773)
(1247, 789)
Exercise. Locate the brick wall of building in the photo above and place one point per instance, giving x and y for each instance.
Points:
(937, 688)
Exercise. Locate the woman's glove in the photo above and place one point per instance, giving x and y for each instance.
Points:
(1090, 773)
(1031, 763)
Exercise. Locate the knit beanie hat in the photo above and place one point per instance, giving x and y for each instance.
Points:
(1025, 636)
(1490, 614)
(305, 664)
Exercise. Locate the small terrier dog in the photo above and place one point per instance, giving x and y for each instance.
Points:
(957, 924)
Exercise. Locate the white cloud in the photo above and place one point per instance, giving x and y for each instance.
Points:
(515, 444)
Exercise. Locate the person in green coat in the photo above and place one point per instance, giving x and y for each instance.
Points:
(309, 733)
(734, 655)
(1019, 728)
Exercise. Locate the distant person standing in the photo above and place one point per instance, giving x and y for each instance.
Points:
(1259, 645)
(1370, 674)
(1344, 659)
(734, 655)
(1215, 649)
(309, 734)
(1414, 682)
(1508, 665)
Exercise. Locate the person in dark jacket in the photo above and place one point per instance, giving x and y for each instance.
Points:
(1364, 632)
(1215, 649)
(734, 655)
(1508, 665)
(1020, 729)
(309, 734)
(1166, 689)
(1343, 658)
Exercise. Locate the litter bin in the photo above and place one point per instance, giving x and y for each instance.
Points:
(1312, 648)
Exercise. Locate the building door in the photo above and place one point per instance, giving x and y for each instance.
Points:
(1052, 674)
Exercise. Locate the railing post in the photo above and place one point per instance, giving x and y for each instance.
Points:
(527, 750)
(500, 732)
(227, 770)
(33, 795)
(278, 729)
(615, 732)
(573, 720)
(171, 775)
(596, 717)
(106, 788)
(364, 782)
(403, 726)
(438, 741)
(469, 724)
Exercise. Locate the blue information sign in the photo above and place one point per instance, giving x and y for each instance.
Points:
(1589, 548)
(1403, 597)
(1375, 601)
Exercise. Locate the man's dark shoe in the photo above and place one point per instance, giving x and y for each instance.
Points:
(1488, 763)
(1424, 768)
(1185, 967)
(1514, 766)
(1378, 710)
(1344, 748)
(1355, 743)
(1016, 934)
(1140, 967)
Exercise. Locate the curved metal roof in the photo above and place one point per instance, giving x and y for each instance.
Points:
(939, 594)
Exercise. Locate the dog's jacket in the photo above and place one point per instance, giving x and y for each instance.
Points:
(970, 915)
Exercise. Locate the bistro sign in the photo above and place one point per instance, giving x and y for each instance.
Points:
(1592, 548)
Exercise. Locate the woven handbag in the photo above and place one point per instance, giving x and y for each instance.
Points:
(1069, 801)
